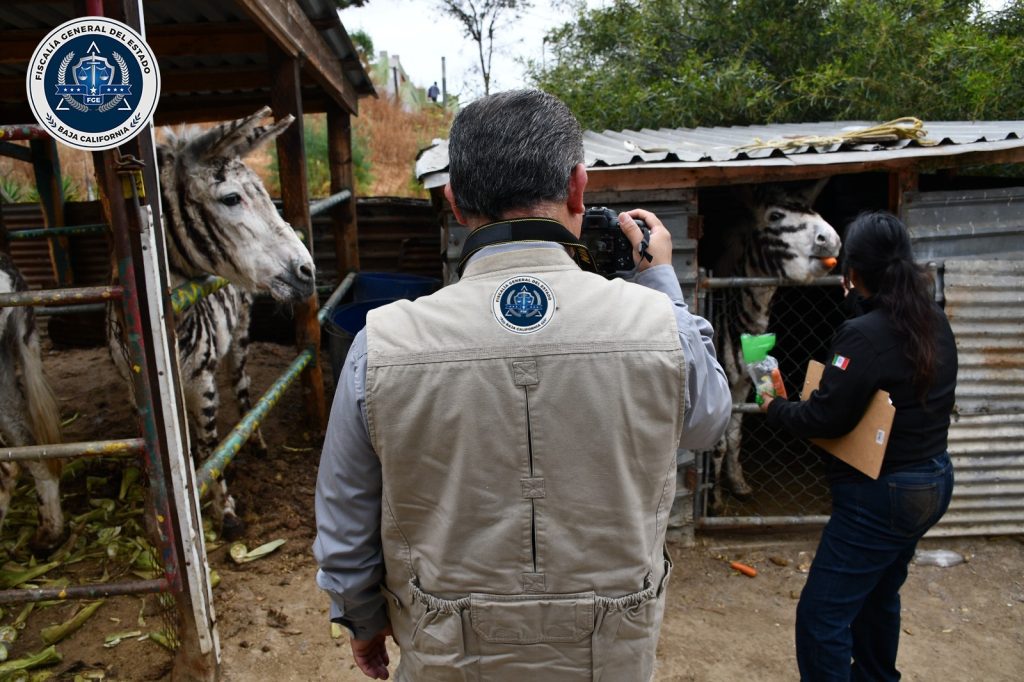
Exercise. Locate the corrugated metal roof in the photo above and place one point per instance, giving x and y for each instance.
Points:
(723, 145)
(985, 305)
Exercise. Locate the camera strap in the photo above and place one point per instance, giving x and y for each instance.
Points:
(520, 230)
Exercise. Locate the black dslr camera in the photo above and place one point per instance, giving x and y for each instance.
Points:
(611, 251)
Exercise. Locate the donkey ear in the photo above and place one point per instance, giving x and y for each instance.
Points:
(810, 192)
(239, 138)
(261, 135)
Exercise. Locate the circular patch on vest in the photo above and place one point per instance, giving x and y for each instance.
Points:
(523, 304)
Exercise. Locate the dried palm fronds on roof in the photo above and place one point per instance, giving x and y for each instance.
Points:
(906, 128)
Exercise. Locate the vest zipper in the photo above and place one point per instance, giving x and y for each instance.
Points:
(533, 502)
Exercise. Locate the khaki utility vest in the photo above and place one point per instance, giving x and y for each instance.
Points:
(527, 477)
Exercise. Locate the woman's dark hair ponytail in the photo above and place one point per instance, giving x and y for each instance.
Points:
(877, 246)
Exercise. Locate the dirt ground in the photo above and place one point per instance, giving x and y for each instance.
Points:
(960, 623)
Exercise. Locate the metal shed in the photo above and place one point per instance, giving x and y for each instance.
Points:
(961, 223)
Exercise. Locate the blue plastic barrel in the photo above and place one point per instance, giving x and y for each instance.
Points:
(392, 285)
(342, 325)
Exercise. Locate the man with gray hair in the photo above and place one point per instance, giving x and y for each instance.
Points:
(500, 462)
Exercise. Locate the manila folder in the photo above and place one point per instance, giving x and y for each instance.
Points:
(864, 447)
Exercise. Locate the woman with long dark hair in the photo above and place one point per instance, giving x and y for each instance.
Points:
(848, 617)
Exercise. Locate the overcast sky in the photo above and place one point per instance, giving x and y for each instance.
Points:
(420, 35)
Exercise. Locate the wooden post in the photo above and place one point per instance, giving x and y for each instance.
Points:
(286, 98)
(5, 243)
(46, 165)
(901, 181)
(343, 216)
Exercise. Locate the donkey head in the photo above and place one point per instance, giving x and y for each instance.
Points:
(793, 241)
(221, 220)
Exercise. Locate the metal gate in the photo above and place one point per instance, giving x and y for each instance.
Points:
(784, 470)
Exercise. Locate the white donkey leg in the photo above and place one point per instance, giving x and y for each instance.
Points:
(47, 474)
(733, 468)
(13, 433)
(203, 403)
(51, 518)
(8, 481)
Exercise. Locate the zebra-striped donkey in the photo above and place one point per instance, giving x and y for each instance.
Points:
(219, 219)
(28, 410)
(787, 239)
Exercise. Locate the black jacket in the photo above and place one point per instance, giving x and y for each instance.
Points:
(867, 356)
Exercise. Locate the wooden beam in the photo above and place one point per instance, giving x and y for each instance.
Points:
(227, 106)
(289, 27)
(900, 182)
(166, 40)
(250, 77)
(343, 216)
(5, 242)
(184, 40)
(286, 99)
(660, 176)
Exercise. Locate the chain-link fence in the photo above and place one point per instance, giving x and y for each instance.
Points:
(784, 471)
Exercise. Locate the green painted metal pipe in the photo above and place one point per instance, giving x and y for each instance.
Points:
(329, 202)
(23, 132)
(61, 296)
(54, 232)
(71, 309)
(213, 467)
(17, 596)
(338, 294)
(98, 448)
(189, 293)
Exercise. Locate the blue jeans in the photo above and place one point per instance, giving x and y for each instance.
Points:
(849, 609)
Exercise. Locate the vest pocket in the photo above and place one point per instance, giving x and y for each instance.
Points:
(437, 648)
(533, 637)
(532, 619)
(626, 633)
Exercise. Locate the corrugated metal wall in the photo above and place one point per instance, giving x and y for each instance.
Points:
(90, 259)
(977, 238)
(985, 306)
(966, 223)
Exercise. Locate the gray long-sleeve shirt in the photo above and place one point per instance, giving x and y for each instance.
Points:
(348, 492)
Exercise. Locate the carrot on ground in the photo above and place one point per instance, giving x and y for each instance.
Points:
(743, 568)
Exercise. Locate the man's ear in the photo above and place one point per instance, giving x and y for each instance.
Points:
(450, 196)
(577, 185)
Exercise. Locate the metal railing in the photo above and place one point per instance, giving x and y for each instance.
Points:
(214, 466)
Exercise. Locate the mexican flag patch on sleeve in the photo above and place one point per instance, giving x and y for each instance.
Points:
(840, 362)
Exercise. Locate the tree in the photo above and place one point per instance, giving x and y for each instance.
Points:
(671, 63)
(364, 47)
(480, 20)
